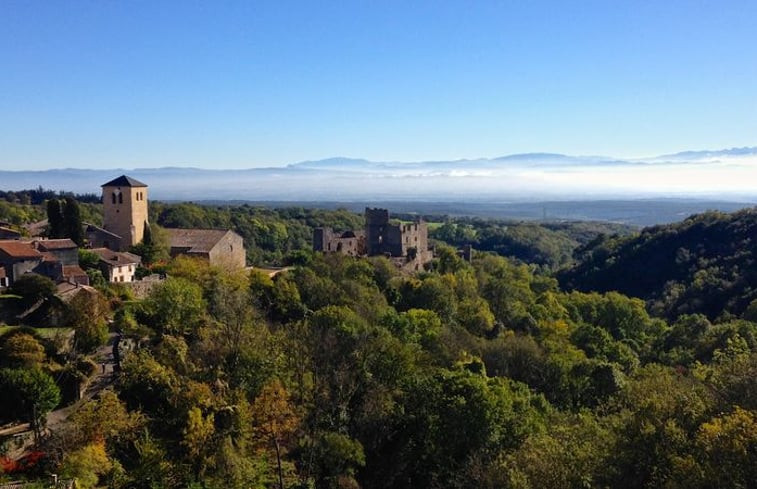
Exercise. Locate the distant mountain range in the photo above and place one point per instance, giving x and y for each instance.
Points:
(729, 174)
(696, 155)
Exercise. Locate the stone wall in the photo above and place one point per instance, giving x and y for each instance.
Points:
(229, 252)
(142, 288)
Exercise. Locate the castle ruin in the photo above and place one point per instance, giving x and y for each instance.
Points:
(406, 244)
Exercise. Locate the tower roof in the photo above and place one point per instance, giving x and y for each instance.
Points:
(124, 181)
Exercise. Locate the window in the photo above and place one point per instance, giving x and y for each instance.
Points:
(114, 197)
(120, 198)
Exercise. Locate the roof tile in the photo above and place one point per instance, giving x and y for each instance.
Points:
(19, 249)
(124, 181)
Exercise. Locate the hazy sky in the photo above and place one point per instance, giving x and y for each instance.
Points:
(223, 84)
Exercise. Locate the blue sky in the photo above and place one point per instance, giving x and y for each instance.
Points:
(105, 84)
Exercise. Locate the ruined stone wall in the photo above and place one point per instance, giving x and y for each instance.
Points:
(414, 235)
(321, 238)
(347, 246)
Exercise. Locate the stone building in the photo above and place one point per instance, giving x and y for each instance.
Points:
(64, 250)
(18, 258)
(117, 266)
(406, 244)
(124, 215)
(221, 247)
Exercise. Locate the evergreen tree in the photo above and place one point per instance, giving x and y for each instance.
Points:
(72, 221)
(54, 219)
(147, 235)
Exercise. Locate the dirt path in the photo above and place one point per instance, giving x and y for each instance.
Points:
(103, 378)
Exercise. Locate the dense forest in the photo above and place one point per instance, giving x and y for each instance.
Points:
(705, 264)
(343, 373)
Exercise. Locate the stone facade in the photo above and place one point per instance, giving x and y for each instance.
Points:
(221, 247)
(64, 250)
(385, 238)
(98, 237)
(125, 211)
(229, 252)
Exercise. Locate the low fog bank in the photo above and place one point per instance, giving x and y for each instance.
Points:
(517, 178)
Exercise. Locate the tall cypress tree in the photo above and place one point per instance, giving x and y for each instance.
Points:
(147, 234)
(72, 221)
(55, 228)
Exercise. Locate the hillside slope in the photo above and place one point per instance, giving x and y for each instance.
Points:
(704, 264)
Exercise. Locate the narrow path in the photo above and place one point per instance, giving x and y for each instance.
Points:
(102, 378)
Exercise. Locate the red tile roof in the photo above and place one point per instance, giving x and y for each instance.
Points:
(19, 249)
(73, 271)
(55, 244)
(47, 256)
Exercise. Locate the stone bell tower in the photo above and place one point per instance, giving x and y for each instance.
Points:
(125, 210)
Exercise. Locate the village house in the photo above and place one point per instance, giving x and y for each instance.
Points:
(117, 266)
(57, 259)
(18, 258)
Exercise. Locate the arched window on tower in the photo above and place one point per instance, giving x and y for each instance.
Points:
(114, 197)
(120, 198)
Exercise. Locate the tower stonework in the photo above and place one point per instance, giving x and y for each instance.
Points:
(376, 223)
(125, 210)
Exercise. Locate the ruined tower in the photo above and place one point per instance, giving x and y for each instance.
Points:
(125, 210)
(376, 222)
